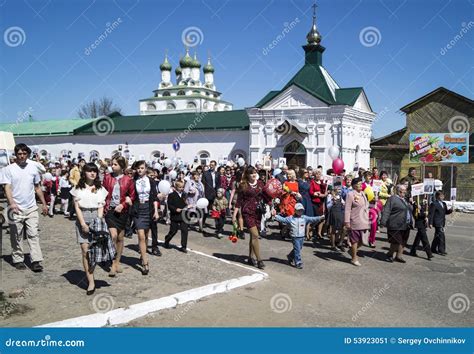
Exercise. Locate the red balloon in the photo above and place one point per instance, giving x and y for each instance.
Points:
(337, 166)
(273, 188)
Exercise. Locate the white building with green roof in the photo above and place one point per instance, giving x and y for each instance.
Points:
(188, 93)
(310, 114)
(299, 122)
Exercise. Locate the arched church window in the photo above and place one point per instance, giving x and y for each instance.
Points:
(191, 105)
(166, 94)
(227, 108)
(204, 157)
(170, 105)
(204, 105)
(151, 107)
(216, 107)
(295, 148)
(196, 92)
(181, 93)
(93, 155)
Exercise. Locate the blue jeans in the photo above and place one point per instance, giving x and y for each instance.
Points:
(295, 253)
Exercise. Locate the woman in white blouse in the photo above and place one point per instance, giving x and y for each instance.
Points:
(89, 200)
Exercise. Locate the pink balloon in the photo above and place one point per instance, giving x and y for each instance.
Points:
(337, 166)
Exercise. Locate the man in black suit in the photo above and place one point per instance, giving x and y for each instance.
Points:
(437, 218)
(176, 205)
(212, 182)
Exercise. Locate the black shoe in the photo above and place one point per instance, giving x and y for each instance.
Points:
(167, 246)
(252, 261)
(443, 254)
(90, 292)
(429, 257)
(299, 266)
(20, 265)
(413, 254)
(260, 265)
(145, 269)
(36, 267)
(183, 249)
(156, 251)
(290, 260)
(389, 259)
(400, 260)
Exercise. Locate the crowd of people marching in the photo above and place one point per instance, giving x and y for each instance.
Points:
(110, 200)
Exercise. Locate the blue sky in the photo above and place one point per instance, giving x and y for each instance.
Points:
(48, 73)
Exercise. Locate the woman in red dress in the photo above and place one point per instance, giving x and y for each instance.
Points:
(291, 194)
(318, 193)
(250, 196)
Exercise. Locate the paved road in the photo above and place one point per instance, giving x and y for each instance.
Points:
(329, 291)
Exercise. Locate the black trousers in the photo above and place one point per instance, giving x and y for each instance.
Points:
(154, 234)
(439, 241)
(423, 237)
(209, 208)
(174, 227)
(220, 221)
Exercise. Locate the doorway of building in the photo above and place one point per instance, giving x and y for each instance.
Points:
(295, 154)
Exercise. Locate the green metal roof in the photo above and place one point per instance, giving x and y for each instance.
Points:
(310, 78)
(224, 120)
(46, 127)
(348, 95)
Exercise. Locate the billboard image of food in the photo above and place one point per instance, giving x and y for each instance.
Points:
(439, 148)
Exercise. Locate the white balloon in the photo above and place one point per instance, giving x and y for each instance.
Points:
(173, 174)
(333, 152)
(202, 203)
(229, 163)
(241, 161)
(276, 172)
(167, 163)
(164, 187)
(48, 176)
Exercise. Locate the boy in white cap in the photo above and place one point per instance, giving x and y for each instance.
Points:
(297, 224)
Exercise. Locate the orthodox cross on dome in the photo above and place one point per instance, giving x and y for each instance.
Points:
(313, 37)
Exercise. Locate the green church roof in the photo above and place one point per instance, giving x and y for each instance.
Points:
(46, 127)
(221, 120)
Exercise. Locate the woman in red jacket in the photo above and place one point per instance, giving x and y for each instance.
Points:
(121, 194)
(318, 193)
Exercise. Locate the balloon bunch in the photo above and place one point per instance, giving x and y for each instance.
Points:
(337, 163)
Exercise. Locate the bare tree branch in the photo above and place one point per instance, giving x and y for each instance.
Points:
(98, 108)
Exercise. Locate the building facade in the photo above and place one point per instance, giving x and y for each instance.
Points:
(310, 114)
(439, 111)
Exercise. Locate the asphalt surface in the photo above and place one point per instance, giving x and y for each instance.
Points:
(329, 291)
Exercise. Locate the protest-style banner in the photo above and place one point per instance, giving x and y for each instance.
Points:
(417, 189)
(376, 185)
(429, 185)
(328, 180)
(453, 193)
(439, 148)
(281, 162)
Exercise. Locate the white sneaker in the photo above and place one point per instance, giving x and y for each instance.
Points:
(356, 263)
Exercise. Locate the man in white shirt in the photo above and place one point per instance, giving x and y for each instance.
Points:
(22, 180)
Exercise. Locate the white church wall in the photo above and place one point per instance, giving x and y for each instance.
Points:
(218, 144)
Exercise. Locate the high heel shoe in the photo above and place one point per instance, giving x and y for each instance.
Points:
(252, 261)
(90, 292)
(145, 269)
